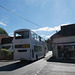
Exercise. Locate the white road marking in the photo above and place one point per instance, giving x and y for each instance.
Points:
(40, 69)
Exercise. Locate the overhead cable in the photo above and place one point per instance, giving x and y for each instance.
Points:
(20, 16)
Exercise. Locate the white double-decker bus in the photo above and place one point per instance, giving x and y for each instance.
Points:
(28, 45)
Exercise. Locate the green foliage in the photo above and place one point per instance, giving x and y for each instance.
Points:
(2, 31)
(5, 52)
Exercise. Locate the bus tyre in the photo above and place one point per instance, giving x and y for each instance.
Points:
(36, 57)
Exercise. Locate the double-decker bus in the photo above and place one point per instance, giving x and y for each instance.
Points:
(28, 45)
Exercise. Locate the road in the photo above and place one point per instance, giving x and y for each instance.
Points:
(25, 68)
(40, 67)
(58, 68)
(22, 68)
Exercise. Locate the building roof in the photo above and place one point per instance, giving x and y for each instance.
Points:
(67, 30)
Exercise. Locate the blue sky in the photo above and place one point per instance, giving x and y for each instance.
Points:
(50, 14)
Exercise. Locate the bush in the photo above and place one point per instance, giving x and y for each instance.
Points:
(5, 54)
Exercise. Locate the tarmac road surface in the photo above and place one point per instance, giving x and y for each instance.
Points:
(39, 67)
(22, 68)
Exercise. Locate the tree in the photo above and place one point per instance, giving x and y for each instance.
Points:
(49, 44)
(2, 31)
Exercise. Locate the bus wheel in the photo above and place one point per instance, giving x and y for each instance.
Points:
(36, 57)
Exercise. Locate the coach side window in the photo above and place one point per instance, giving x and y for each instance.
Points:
(36, 48)
(39, 38)
(43, 40)
(40, 48)
(34, 36)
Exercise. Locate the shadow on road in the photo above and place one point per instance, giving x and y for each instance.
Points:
(51, 59)
(14, 66)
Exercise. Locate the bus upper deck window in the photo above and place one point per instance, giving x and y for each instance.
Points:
(26, 34)
(22, 35)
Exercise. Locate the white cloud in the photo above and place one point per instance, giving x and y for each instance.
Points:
(65, 24)
(48, 29)
(42, 35)
(48, 36)
(1, 23)
(56, 28)
(11, 34)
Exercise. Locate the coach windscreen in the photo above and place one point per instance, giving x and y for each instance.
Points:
(22, 35)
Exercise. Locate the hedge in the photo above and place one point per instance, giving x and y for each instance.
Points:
(5, 54)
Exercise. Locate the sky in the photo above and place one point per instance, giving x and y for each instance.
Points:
(49, 15)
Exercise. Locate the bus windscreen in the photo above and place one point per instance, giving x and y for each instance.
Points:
(22, 35)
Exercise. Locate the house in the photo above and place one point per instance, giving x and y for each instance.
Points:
(63, 42)
(7, 43)
(2, 36)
